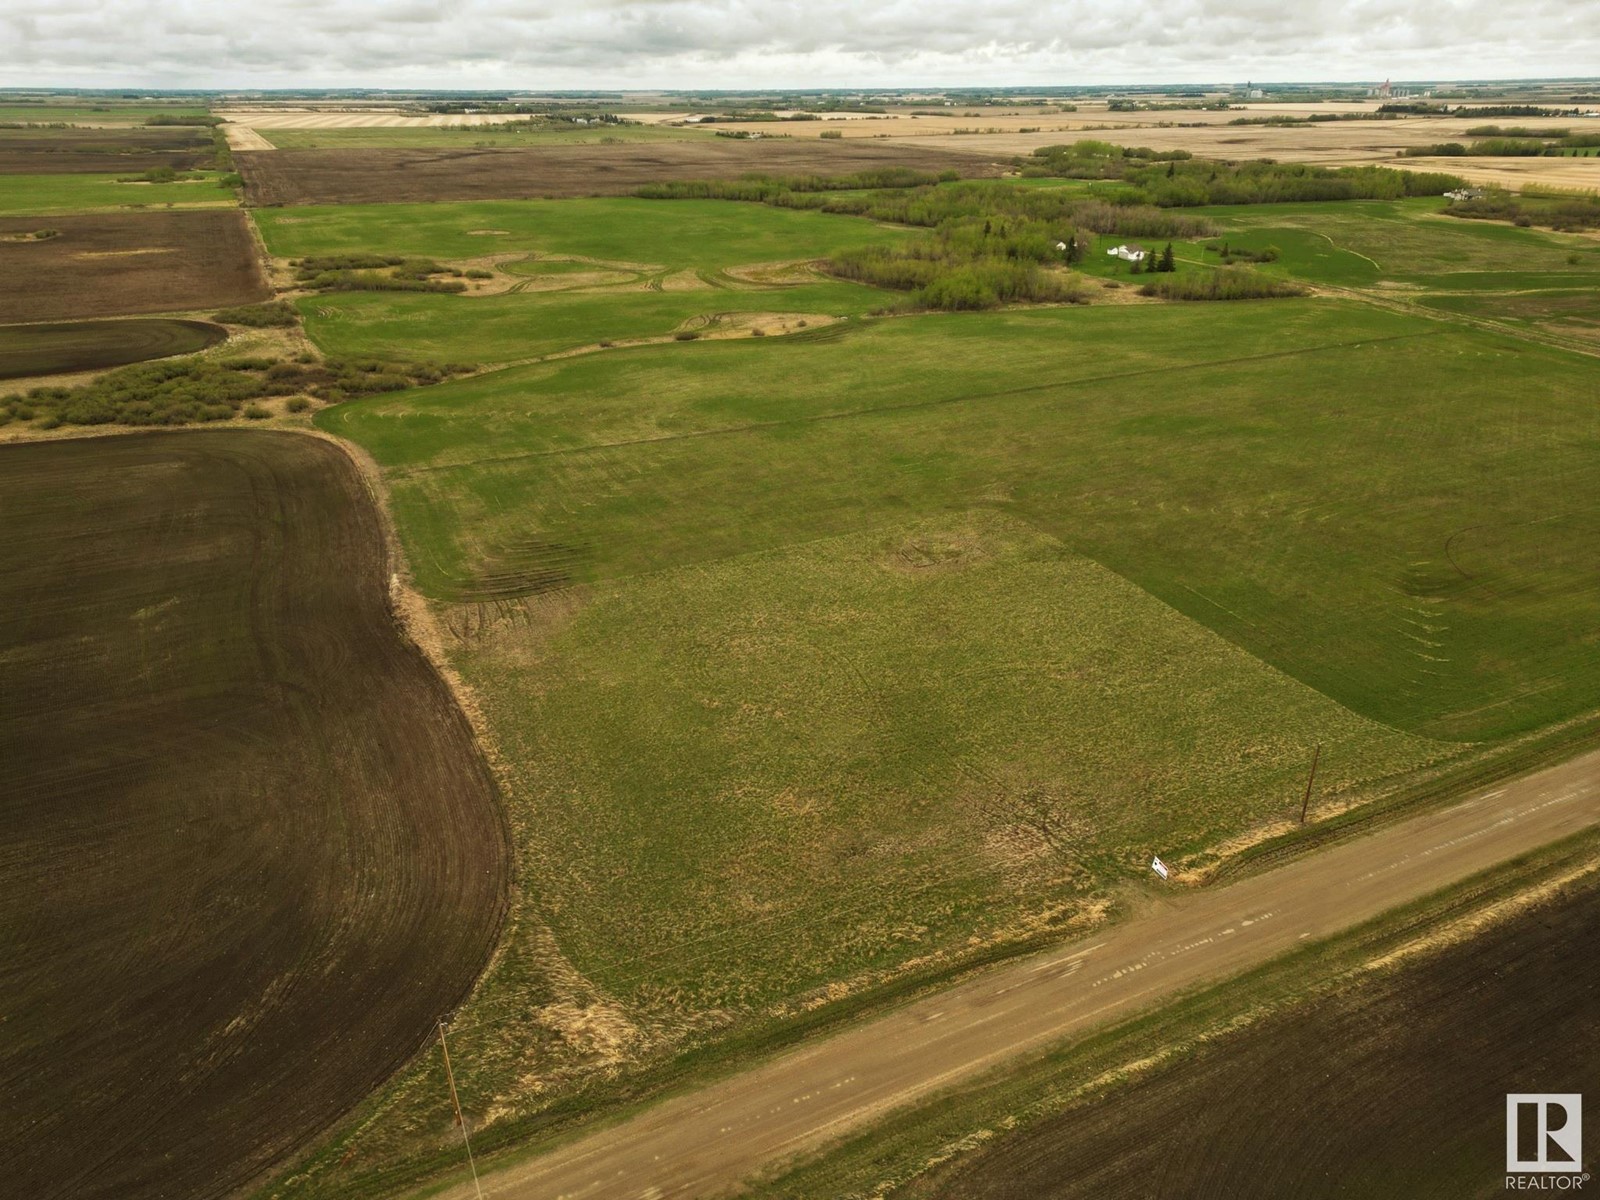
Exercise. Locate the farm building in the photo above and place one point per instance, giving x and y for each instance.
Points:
(1465, 194)
(1128, 253)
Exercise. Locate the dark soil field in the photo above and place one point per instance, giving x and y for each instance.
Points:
(1394, 1088)
(248, 850)
(274, 177)
(89, 345)
(110, 264)
(102, 151)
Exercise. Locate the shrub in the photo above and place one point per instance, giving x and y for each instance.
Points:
(184, 390)
(1229, 283)
(257, 412)
(686, 335)
(273, 313)
(831, 133)
(296, 404)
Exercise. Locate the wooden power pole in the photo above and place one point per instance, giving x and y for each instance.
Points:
(1305, 804)
(456, 1100)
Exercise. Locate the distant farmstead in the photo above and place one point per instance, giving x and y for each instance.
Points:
(1128, 253)
(1465, 194)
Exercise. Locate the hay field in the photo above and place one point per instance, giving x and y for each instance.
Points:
(1323, 521)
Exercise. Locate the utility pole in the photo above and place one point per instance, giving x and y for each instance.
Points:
(456, 1100)
(1306, 803)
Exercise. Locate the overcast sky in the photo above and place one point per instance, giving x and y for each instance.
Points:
(615, 44)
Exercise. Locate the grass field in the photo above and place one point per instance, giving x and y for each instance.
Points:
(672, 235)
(499, 329)
(112, 112)
(1323, 521)
(250, 850)
(876, 691)
(25, 195)
(1368, 243)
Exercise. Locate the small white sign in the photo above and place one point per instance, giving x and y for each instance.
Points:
(1159, 867)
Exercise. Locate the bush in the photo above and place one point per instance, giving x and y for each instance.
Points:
(686, 335)
(275, 313)
(831, 133)
(296, 404)
(185, 390)
(1229, 283)
(257, 412)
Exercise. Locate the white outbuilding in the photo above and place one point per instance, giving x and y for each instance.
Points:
(1128, 253)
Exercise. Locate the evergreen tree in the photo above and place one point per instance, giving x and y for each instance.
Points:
(1166, 259)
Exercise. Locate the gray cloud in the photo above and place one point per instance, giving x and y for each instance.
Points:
(739, 43)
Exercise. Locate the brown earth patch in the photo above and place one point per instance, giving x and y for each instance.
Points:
(102, 151)
(252, 852)
(286, 177)
(110, 264)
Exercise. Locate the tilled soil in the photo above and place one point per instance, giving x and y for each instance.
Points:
(384, 176)
(111, 264)
(248, 850)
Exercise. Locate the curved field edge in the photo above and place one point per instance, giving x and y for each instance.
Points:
(251, 852)
(63, 348)
(1489, 962)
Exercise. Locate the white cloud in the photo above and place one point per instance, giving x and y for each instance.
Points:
(616, 44)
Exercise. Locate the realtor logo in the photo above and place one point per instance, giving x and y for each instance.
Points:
(1544, 1132)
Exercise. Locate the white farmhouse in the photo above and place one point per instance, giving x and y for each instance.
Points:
(1128, 253)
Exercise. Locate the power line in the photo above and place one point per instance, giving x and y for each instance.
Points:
(456, 1100)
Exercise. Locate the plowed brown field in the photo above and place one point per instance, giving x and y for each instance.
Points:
(248, 850)
(110, 264)
(96, 151)
(382, 176)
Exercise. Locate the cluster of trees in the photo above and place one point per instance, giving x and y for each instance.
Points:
(191, 390)
(200, 119)
(1228, 283)
(375, 273)
(1231, 254)
(1089, 158)
(939, 274)
(1200, 182)
(259, 316)
(1511, 143)
(1569, 213)
(1423, 109)
(1156, 264)
(787, 190)
(1176, 179)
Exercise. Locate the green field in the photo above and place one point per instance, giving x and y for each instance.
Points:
(97, 112)
(499, 329)
(1373, 242)
(846, 751)
(27, 195)
(670, 235)
(1327, 510)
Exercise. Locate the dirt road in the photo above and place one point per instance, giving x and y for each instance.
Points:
(706, 1141)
